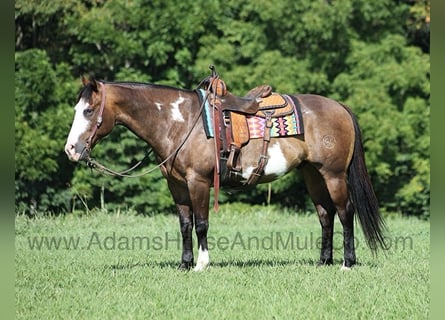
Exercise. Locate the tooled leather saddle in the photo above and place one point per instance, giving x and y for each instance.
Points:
(231, 129)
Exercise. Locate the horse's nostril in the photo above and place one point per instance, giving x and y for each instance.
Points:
(69, 148)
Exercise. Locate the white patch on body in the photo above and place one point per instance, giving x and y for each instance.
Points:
(247, 172)
(176, 113)
(158, 105)
(276, 165)
(80, 123)
(203, 260)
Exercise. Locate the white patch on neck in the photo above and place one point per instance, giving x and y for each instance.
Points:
(158, 105)
(203, 260)
(276, 165)
(80, 123)
(176, 113)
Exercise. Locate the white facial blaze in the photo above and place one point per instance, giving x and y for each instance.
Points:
(80, 123)
(203, 260)
(176, 113)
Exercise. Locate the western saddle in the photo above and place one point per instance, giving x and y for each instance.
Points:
(231, 130)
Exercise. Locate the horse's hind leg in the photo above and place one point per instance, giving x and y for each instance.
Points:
(338, 190)
(325, 208)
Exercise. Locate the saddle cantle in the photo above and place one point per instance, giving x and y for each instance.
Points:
(275, 103)
(249, 104)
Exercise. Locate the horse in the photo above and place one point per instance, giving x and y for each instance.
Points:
(329, 155)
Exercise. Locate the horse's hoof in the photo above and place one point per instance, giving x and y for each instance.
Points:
(327, 262)
(185, 266)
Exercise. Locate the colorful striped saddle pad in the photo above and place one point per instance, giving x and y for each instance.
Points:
(287, 119)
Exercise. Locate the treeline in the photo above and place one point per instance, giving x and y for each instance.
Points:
(371, 55)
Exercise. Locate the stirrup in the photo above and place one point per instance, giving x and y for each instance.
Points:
(232, 161)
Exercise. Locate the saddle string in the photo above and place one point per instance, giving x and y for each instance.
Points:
(93, 164)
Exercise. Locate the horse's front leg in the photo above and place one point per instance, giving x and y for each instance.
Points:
(183, 205)
(200, 195)
(186, 226)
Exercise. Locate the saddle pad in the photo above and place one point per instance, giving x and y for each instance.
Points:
(287, 125)
(207, 116)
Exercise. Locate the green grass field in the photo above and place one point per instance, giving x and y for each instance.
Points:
(111, 266)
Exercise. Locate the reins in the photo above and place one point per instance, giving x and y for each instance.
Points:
(93, 164)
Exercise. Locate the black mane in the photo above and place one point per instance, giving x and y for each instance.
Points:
(143, 84)
(87, 90)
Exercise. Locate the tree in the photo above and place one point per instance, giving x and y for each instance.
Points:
(372, 55)
(394, 117)
(41, 95)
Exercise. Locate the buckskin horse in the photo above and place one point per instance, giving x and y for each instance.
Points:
(329, 155)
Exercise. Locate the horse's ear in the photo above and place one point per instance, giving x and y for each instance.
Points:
(90, 80)
(93, 84)
(84, 80)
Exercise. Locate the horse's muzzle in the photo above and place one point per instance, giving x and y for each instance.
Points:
(76, 152)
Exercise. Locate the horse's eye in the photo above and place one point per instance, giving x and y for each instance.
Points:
(88, 112)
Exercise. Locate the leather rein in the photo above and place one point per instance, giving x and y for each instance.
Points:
(93, 164)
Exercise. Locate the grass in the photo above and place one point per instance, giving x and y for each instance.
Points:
(124, 266)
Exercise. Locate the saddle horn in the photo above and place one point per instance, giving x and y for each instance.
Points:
(217, 86)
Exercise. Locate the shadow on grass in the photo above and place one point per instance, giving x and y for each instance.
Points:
(134, 265)
(250, 263)
(257, 263)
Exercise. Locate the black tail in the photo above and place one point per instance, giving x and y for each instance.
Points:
(363, 196)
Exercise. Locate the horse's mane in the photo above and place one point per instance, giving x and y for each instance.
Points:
(142, 84)
(87, 90)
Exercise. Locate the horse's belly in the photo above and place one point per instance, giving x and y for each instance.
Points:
(283, 155)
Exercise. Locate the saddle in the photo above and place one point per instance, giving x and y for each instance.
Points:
(231, 122)
(231, 129)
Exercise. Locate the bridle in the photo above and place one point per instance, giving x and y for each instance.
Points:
(99, 118)
(93, 164)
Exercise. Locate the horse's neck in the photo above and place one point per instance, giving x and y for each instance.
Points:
(161, 117)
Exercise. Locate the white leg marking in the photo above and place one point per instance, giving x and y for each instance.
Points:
(176, 113)
(345, 268)
(203, 260)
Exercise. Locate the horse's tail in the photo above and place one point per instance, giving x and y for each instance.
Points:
(362, 192)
